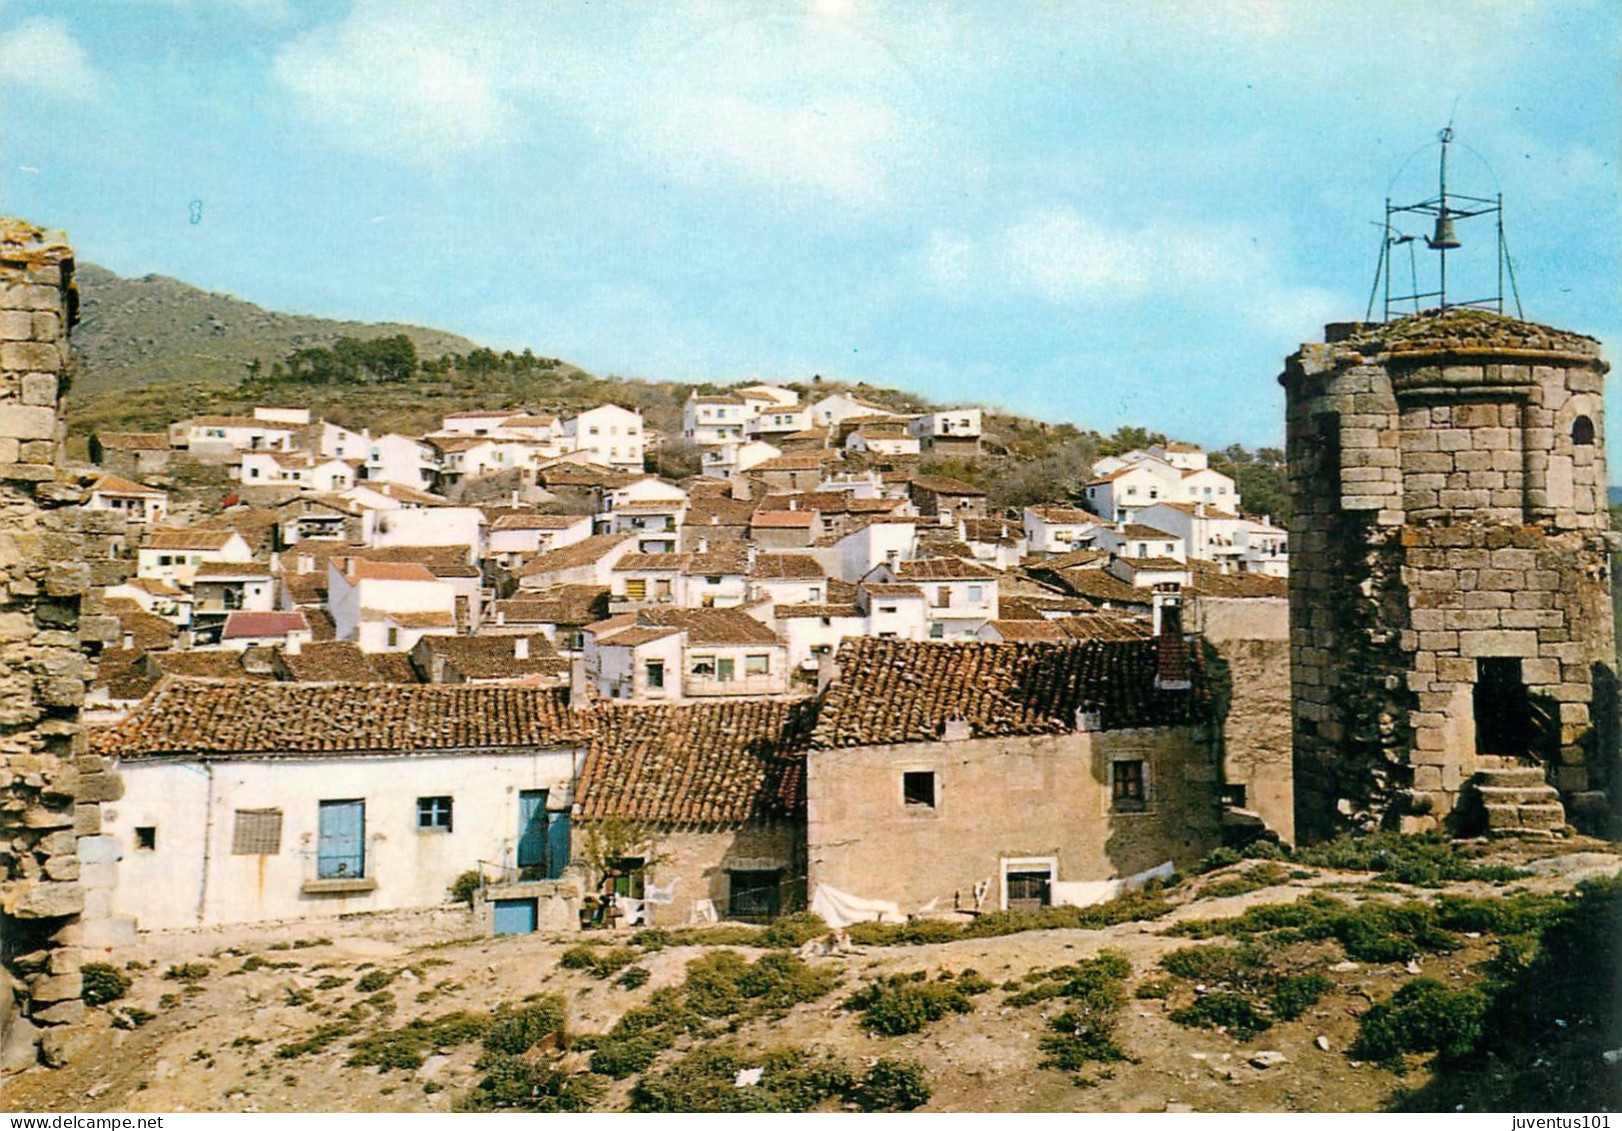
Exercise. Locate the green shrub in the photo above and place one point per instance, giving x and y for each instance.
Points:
(780, 980)
(331, 982)
(511, 1083)
(792, 1080)
(642, 1033)
(712, 984)
(794, 931)
(633, 978)
(318, 1039)
(374, 980)
(187, 972)
(893, 1085)
(1293, 995)
(1422, 1016)
(1240, 967)
(1261, 876)
(578, 958)
(1428, 859)
(1086, 1030)
(103, 983)
(1217, 858)
(1154, 989)
(914, 932)
(407, 1047)
(905, 1003)
(515, 1030)
(1234, 1012)
(131, 1017)
(465, 886)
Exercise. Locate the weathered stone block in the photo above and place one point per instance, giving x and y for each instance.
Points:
(1503, 642)
(27, 422)
(56, 1049)
(49, 901)
(100, 787)
(39, 389)
(30, 356)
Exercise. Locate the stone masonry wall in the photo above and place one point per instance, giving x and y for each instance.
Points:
(1448, 481)
(56, 870)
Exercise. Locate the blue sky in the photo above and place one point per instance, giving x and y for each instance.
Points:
(1097, 212)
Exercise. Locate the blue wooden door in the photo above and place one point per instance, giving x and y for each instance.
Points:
(557, 845)
(515, 916)
(341, 850)
(532, 828)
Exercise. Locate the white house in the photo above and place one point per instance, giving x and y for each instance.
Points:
(514, 537)
(717, 652)
(953, 431)
(716, 418)
(243, 630)
(219, 588)
(1240, 544)
(394, 458)
(882, 439)
(960, 596)
(299, 469)
(836, 408)
(1136, 540)
(220, 437)
(1173, 473)
(427, 526)
(388, 606)
(474, 422)
(334, 441)
(1057, 530)
(611, 435)
(138, 503)
(893, 611)
(254, 802)
(730, 459)
(174, 555)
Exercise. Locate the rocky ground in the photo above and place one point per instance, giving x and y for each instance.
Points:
(216, 1007)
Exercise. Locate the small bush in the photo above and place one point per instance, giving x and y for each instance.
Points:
(792, 1080)
(794, 931)
(406, 1047)
(633, 978)
(331, 982)
(465, 886)
(511, 1083)
(893, 1085)
(904, 1003)
(187, 972)
(514, 1031)
(1261, 876)
(319, 1038)
(131, 1017)
(1217, 858)
(1426, 860)
(1154, 989)
(103, 983)
(1234, 1012)
(374, 980)
(1240, 967)
(1292, 996)
(1422, 1016)
(779, 981)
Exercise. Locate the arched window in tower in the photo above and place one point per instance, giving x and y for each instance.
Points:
(1582, 431)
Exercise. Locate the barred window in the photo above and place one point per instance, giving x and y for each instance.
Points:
(257, 832)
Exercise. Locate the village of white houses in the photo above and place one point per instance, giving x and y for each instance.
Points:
(428, 729)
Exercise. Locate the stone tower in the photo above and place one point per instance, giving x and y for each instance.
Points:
(1453, 650)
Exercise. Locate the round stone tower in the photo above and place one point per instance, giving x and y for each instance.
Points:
(1453, 650)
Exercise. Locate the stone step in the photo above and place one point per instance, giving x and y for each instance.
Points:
(1540, 794)
(1519, 777)
(1530, 818)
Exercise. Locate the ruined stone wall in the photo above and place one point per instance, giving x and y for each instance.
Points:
(56, 869)
(1448, 484)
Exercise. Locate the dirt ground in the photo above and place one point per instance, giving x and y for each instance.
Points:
(211, 1044)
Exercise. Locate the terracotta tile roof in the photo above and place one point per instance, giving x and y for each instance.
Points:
(718, 510)
(717, 398)
(191, 538)
(363, 569)
(430, 618)
(208, 664)
(697, 765)
(239, 422)
(394, 667)
(255, 524)
(705, 627)
(798, 461)
(812, 434)
(321, 624)
(1034, 608)
(441, 561)
(1210, 581)
(457, 442)
(1066, 515)
(113, 485)
(1074, 559)
(1029, 631)
(1155, 564)
(566, 604)
(332, 661)
(133, 441)
(1096, 585)
(656, 563)
(791, 612)
(583, 553)
(232, 571)
(999, 531)
(896, 691)
(782, 520)
(154, 585)
(650, 506)
(943, 569)
(633, 636)
(400, 493)
(728, 559)
(150, 632)
(492, 657)
(528, 421)
(209, 720)
(880, 591)
(1192, 509)
(945, 485)
(305, 588)
(799, 567)
(477, 414)
(122, 673)
(247, 625)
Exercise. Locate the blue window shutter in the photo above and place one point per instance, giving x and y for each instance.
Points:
(341, 851)
(557, 835)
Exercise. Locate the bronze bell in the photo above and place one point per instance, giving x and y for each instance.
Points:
(1445, 239)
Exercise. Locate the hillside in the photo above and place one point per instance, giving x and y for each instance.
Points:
(155, 329)
(1312, 984)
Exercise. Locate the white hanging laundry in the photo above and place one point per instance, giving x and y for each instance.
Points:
(636, 914)
(841, 909)
(703, 912)
(665, 894)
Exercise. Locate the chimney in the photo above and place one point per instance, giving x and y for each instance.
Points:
(703, 545)
(501, 617)
(294, 644)
(306, 563)
(1199, 510)
(793, 502)
(751, 555)
(520, 647)
(129, 641)
(1172, 663)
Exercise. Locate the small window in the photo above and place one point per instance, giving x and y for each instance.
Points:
(977, 593)
(1127, 786)
(146, 838)
(704, 666)
(656, 673)
(887, 608)
(937, 631)
(433, 814)
(757, 665)
(256, 832)
(943, 597)
(724, 669)
(918, 788)
(636, 588)
(1582, 431)
(394, 638)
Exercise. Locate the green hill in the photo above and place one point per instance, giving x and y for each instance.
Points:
(135, 332)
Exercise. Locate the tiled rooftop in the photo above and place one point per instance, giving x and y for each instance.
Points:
(210, 720)
(712, 764)
(896, 691)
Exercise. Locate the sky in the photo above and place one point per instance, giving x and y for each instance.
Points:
(1096, 212)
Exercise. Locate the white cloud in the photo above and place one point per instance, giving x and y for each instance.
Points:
(41, 55)
(408, 85)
